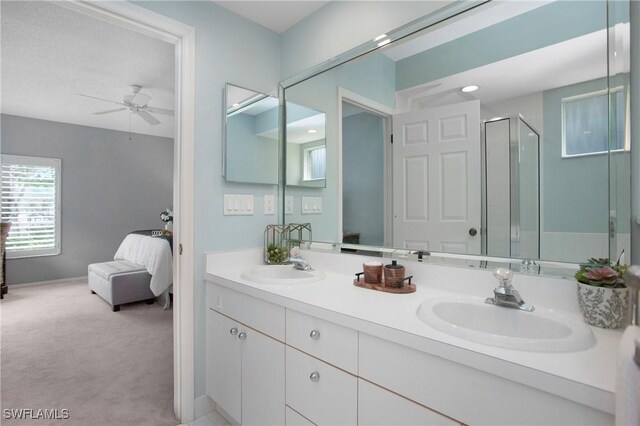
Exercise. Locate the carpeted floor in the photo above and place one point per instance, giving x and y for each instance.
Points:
(62, 348)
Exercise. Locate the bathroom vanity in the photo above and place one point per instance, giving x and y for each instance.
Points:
(323, 351)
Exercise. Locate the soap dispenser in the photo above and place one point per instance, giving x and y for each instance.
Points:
(393, 275)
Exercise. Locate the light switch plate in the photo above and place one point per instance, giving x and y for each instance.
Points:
(288, 204)
(269, 204)
(311, 205)
(238, 205)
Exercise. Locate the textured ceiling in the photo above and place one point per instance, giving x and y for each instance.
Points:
(278, 16)
(50, 53)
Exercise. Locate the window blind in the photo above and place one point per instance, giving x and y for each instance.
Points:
(30, 194)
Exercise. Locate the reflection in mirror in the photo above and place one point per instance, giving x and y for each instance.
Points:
(306, 154)
(251, 136)
(505, 126)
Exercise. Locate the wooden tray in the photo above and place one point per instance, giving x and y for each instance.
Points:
(407, 288)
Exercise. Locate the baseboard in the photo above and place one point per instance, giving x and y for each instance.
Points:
(60, 281)
(203, 405)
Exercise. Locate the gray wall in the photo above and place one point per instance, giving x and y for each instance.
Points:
(363, 180)
(110, 186)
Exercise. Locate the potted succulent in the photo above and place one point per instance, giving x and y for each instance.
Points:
(603, 296)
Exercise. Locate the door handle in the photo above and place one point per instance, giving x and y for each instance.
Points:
(473, 232)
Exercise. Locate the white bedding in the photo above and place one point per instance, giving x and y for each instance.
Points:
(152, 253)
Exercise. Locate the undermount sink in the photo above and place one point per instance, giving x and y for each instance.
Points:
(469, 318)
(285, 275)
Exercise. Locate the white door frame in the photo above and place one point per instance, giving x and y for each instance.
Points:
(158, 26)
(387, 114)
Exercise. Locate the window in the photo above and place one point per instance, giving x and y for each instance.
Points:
(585, 124)
(31, 202)
(315, 163)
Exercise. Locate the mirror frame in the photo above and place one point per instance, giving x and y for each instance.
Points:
(542, 267)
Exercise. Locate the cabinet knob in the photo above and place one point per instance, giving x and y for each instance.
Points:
(315, 376)
(315, 334)
(242, 336)
(233, 331)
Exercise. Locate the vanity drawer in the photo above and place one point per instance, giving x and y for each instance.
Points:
(377, 406)
(255, 313)
(294, 419)
(465, 393)
(320, 392)
(330, 342)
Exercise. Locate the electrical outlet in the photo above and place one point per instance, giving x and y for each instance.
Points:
(269, 207)
(288, 204)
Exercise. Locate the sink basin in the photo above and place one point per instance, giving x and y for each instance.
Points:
(285, 275)
(542, 330)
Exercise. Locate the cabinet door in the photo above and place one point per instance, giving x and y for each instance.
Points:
(377, 406)
(224, 363)
(262, 379)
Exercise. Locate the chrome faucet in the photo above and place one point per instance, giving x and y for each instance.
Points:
(298, 261)
(505, 294)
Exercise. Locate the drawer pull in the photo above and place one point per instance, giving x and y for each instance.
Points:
(315, 376)
(315, 334)
(233, 331)
(242, 336)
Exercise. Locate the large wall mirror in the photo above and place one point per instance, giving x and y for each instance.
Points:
(502, 131)
(250, 136)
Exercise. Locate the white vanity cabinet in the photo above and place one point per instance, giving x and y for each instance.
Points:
(378, 406)
(245, 367)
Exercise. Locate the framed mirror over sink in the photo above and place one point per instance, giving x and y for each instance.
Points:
(470, 132)
(250, 136)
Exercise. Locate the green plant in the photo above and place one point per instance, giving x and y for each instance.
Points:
(600, 272)
(276, 254)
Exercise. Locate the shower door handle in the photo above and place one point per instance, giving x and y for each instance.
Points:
(473, 232)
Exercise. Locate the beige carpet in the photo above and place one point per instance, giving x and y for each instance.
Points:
(62, 348)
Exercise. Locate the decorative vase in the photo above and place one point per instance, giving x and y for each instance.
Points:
(603, 307)
(168, 226)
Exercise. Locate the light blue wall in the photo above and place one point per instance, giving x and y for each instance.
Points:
(229, 48)
(373, 77)
(250, 158)
(343, 25)
(533, 30)
(575, 190)
(363, 178)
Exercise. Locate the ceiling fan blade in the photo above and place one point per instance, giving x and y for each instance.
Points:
(162, 111)
(100, 99)
(147, 117)
(109, 111)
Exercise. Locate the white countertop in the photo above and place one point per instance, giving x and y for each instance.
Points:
(587, 376)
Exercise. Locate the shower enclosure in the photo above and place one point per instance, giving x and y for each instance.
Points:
(511, 188)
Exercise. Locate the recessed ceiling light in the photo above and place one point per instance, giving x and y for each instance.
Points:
(383, 42)
(380, 37)
(236, 105)
(312, 131)
(467, 89)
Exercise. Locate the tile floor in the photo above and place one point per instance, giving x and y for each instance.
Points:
(212, 419)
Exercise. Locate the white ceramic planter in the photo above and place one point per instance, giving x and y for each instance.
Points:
(603, 307)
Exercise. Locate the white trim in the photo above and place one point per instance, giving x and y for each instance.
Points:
(145, 21)
(59, 281)
(203, 406)
(387, 114)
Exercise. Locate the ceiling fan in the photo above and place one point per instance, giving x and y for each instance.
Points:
(137, 102)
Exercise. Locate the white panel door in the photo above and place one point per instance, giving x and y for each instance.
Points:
(224, 363)
(436, 179)
(262, 379)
